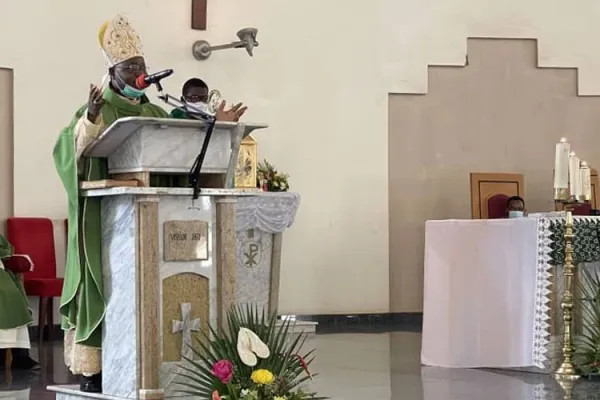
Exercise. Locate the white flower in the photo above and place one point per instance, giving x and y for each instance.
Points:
(249, 346)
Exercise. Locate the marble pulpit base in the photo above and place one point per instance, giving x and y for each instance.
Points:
(241, 265)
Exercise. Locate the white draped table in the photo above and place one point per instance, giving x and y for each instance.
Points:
(487, 291)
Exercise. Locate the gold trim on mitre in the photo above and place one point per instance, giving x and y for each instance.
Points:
(119, 41)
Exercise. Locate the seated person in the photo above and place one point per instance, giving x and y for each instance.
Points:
(515, 207)
(15, 314)
(195, 93)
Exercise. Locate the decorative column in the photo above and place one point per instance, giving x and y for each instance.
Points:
(148, 289)
(275, 272)
(226, 256)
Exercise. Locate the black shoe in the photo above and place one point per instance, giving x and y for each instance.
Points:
(91, 384)
(21, 360)
(25, 364)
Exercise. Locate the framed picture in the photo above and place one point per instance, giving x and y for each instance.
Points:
(245, 172)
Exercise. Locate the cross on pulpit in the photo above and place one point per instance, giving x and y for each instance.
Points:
(186, 326)
(199, 8)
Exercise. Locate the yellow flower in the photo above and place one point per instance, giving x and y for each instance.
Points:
(279, 398)
(262, 377)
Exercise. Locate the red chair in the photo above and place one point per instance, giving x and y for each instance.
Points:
(35, 237)
(582, 209)
(497, 206)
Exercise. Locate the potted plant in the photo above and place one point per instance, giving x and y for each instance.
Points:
(587, 345)
(271, 180)
(251, 358)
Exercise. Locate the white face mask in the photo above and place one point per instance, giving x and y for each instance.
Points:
(198, 106)
(515, 214)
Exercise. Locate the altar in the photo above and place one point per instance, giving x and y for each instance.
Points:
(492, 290)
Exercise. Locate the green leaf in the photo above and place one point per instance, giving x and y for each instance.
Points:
(198, 380)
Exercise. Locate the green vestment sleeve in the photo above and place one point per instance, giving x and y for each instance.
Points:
(82, 305)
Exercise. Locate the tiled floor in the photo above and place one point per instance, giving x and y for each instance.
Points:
(364, 367)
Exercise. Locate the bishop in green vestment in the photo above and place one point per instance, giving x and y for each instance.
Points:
(82, 304)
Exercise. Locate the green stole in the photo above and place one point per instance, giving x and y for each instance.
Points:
(14, 306)
(82, 303)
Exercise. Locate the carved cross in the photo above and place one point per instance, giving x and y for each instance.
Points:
(186, 326)
(199, 8)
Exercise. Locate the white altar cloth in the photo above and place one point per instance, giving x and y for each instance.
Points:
(481, 282)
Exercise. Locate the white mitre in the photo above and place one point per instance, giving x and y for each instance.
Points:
(119, 41)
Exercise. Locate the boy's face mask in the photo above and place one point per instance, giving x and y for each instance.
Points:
(515, 214)
(198, 106)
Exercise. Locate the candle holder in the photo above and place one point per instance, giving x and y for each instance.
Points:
(562, 195)
(567, 370)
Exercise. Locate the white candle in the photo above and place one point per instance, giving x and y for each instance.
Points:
(561, 164)
(586, 181)
(574, 175)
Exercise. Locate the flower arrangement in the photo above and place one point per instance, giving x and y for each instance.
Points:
(587, 345)
(268, 176)
(251, 359)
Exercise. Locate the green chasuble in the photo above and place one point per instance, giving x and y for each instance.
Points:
(82, 304)
(178, 114)
(14, 307)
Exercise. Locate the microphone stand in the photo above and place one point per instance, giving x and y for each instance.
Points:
(194, 174)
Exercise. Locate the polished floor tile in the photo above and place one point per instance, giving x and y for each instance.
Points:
(359, 366)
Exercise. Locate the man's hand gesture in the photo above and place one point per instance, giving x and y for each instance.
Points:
(233, 114)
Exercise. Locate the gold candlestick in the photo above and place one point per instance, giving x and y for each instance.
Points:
(566, 371)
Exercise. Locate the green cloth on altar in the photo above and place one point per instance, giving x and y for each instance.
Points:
(14, 306)
(82, 303)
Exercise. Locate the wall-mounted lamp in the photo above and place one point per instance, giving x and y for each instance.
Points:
(201, 49)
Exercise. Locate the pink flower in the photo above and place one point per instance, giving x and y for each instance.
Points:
(215, 396)
(223, 370)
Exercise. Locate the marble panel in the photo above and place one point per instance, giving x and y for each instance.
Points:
(147, 150)
(185, 306)
(185, 240)
(254, 251)
(180, 208)
(119, 332)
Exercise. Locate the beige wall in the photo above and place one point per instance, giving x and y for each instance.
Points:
(320, 77)
(498, 114)
(6, 147)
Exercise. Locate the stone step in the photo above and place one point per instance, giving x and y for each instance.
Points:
(307, 327)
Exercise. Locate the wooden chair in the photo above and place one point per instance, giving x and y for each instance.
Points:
(488, 190)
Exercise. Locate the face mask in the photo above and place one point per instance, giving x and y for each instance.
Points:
(515, 214)
(132, 92)
(198, 106)
(129, 91)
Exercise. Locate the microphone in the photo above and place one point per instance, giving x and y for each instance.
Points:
(143, 81)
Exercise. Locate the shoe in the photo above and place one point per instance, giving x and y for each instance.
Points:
(91, 384)
(25, 364)
(21, 361)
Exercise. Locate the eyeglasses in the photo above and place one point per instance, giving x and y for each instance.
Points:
(132, 68)
(195, 97)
